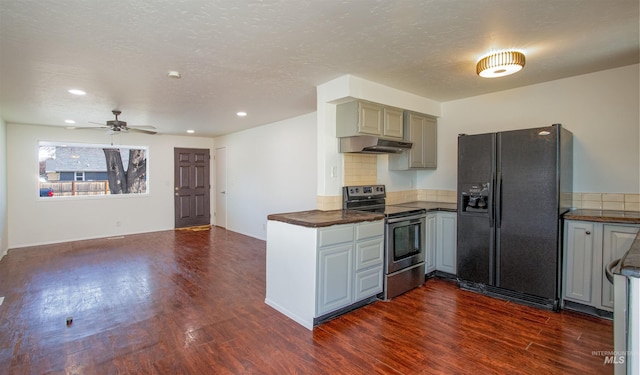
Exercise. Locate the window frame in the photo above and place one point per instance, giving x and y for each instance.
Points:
(101, 146)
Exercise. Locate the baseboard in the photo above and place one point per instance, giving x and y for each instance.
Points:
(589, 310)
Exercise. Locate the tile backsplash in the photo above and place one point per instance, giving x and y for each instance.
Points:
(594, 201)
(362, 169)
(607, 201)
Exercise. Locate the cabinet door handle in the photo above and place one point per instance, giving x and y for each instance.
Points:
(587, 232)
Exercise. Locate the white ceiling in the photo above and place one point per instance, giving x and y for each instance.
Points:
(267, 57)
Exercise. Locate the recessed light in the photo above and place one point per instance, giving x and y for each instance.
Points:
(191, 131)
(77, 92)
(69, 121)
(241, 114)
(174, 74)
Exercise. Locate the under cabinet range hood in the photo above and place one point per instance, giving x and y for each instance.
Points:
(372, 145)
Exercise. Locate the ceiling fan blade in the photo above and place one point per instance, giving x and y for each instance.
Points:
(138, 130)
(87, 127)
(118, 126)
(141, 126)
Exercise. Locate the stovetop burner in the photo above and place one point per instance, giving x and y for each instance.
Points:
(397, 211)
(372, 198)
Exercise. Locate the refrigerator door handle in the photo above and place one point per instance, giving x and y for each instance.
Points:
(490, 203)
(498, 195)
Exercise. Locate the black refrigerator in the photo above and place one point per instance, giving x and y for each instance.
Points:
(513, 187)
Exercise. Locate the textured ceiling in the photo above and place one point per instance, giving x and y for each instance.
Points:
(267, 57)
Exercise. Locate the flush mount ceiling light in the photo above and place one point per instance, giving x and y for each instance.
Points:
(500, 64)
(241, 114)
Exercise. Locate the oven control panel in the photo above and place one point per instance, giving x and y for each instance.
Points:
(365, 191)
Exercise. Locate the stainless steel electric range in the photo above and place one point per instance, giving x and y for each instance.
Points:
(405, 229)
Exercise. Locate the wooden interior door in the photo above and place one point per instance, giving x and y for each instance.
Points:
(220, 213)
(192, 187)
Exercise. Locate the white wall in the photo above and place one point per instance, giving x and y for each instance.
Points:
(270, 169)
(600, 109)
(4, 244)
(34, 221)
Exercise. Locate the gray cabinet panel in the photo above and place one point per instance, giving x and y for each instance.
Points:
(430, 256)
(446, 242)
(617, 240)
(579, 261)
(421, 130)
(368, 283)
(360, 117)
(335, 277)
(369, 254)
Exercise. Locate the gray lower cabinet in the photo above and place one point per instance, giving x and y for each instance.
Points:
(313, 272)
(350, 264)
(441, 242)
(616, 242)
(431, 243)
(446, 242)
(588, 248)
(335, 278)
(579, 261)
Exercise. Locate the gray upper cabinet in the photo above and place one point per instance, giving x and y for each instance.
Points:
(421, 130)
(360, 117)
(393, 122)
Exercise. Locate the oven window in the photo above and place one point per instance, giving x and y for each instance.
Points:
(406, 241)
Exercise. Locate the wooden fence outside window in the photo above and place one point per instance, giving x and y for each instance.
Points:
(70, 188)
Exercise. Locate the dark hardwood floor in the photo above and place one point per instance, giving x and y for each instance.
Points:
(182, 302)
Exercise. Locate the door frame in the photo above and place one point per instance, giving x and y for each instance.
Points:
(221, 191)
(192, 184)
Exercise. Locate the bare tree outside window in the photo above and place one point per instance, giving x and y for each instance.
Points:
(106, 170)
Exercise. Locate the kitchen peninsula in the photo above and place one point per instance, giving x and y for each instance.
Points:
(323, 263)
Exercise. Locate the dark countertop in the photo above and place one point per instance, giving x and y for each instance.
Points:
(431, 206)
(630, 262)
(318, 218)
(604, 216)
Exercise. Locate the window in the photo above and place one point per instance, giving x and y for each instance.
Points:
(91, 169)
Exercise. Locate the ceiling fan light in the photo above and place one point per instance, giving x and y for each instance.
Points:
(500, 64)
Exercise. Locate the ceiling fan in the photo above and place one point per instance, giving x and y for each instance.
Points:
(118, 126)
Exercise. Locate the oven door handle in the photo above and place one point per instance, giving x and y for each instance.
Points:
(416, 219)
